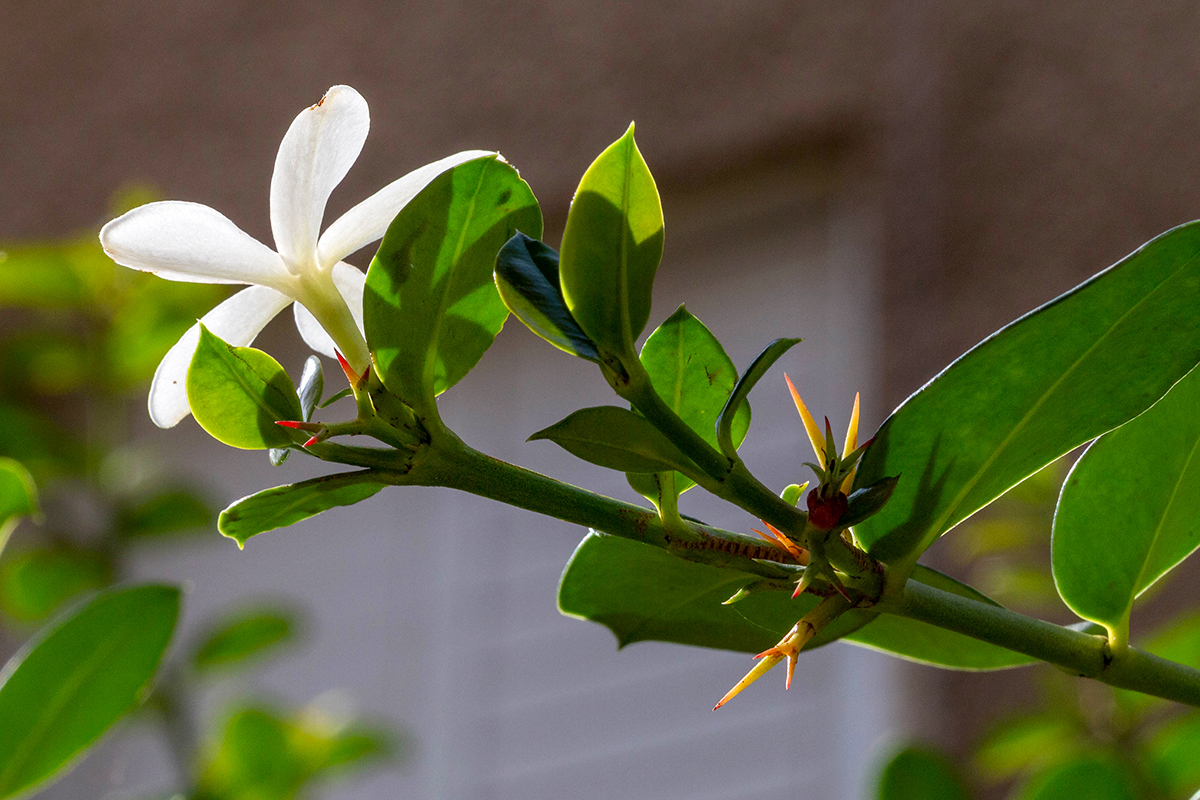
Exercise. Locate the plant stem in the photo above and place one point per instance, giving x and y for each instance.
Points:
(1080, 653)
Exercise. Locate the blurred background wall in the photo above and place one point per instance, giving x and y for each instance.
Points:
(891, 180)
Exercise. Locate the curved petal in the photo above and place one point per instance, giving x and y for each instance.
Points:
(316, 153)
(236, 320)
(369, 220)
(190, 242)
(350, 282)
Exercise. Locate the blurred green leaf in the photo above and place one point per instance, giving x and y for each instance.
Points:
(264, 755)
(170, 511)
(63, 690)
(44, 362)
(616, 438)
(35, 582)
(692, 374)
(43, 447)
(40, 276)
(1091, 777)
(644, 593)
(18, 497)
(1064, 374)
(1027, 744)
(238, 393)
(246, 635)
(527, 277)
(916, 773)
(285, 505)
(611, 247)
(1174, 754)
(431, 307)
(1130, 509)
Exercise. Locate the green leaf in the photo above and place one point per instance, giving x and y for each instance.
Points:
(36, 582)
(238, 393)
(762, 362)
(692, 374)
(431, 308)
(1129, 511)
(611, 247)
(867, 501)
(18, 497)
(916, 773)
(1062, 375)
(62, 691)
(616, 438)
(167, 512)
(285, 505)
(643, 593)
(1093, 777)
(246, 635)
(527, 277)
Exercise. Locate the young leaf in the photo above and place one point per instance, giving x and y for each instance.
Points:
(741, 390)
(247, 635)
(644, 593)
(1129, 511)
(63, 690)
(527, 277)
(1080, 365)
(611, 247)
(238, 393)
(312, 386)
(693, 375)
(431, 309)
(919, 774)
(285, 505)
(616, 438)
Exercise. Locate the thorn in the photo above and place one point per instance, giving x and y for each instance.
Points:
(300, 426)
(760, 669)
(791, 670)
(355, 379)
(810, 424)
(314, 440)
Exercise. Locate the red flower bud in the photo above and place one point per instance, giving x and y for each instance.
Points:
(824, 513)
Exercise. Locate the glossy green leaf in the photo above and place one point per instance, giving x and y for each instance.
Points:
(916, 773)
(247, 635)
(1093, 777)
(63, 690)
(238, 393)
(643, 593)
(35, 582)
(527, 277)
(741, 390)
(285, 505)
(616, 438)
(1064, 374)
(431, 308)
(1129, 511)
(692, 374)
(171, 511)
(18, 497)
(611, 247)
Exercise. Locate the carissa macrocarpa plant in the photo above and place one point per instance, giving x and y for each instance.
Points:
(1110, 362)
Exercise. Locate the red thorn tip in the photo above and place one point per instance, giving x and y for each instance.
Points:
(288, 423)
(312, 441)
(796, 593)
(351, 375)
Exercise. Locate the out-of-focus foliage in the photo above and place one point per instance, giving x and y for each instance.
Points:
(80, 339)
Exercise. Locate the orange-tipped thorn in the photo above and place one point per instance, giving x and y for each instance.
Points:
(355, 379)
(805, 581)
(810, 424)
(851, 443)
(778, 538)
(314, 440)
(299, 426)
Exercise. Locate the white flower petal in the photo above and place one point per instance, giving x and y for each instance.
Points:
(350, 282)
(237, 320)
(369, 220)
(316, 153)
(189, 242)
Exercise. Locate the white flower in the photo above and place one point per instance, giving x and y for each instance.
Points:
(192, 242)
